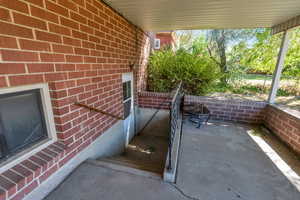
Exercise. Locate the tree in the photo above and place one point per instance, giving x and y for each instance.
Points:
(262, 56)
(198, 73)
(220, 43)
(184, 39)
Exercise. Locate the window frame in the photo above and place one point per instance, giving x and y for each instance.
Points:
(49, 122)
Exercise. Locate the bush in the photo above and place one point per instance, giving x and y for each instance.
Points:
(197, 72)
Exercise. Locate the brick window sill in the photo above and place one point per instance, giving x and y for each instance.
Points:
(24, 177)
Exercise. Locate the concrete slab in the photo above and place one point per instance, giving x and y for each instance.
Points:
(217, 162)
(221, 161)
(92, 182)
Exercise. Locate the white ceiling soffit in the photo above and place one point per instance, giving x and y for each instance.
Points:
(158, 15)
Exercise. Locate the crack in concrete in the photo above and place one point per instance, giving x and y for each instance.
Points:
(235, 191)
(182, 192)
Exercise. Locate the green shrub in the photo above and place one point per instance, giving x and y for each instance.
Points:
(197, 72)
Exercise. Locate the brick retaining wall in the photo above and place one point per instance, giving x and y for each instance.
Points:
(285, 124)
(245, 111)
(226, 110)
(154, 100)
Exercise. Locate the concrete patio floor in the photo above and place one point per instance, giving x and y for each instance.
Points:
(220, 161)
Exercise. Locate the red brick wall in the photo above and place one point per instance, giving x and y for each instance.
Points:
(285, 124)
(154, 100)
(282, 122)
(226, 110)
(231, 110)
(80, 48)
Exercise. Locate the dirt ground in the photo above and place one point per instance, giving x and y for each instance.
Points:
(289, 156)
(292, 101)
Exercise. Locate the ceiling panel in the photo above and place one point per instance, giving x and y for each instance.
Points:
(158, 15)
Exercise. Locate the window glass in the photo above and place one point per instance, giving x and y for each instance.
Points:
(126, 90)
(22, 121)
(127, 106)
(126, 98)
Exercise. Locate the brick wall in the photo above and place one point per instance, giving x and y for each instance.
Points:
(154, 100)
(80, 48)
(226, 110)
(285, 124)
(244, 111)
(166, 39)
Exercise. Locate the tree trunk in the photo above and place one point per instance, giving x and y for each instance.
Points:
(222, 54)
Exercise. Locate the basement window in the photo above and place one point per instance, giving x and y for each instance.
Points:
(26, 122)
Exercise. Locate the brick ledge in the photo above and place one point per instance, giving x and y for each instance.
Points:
(27, 175)
(286, 110)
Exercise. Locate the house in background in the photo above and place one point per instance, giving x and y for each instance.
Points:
(164, 39)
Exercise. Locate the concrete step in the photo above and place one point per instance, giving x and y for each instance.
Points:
(146, 164)
(146, 155)
(142, 165)
(124, 167)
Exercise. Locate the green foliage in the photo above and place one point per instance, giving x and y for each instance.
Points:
(261, 57)
(222, 47)
(184, 39)
(226, 61)
(292, 62)
(167, 68)
(199, 47)
(236, 69)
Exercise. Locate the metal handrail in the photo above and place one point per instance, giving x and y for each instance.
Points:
(175, 110)
(98, 110)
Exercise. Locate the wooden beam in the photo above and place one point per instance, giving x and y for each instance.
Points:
(279, 67)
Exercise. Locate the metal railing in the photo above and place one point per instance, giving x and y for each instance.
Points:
(98, 110)
(175, 112)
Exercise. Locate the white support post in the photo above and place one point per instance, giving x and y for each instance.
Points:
(279, 67)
